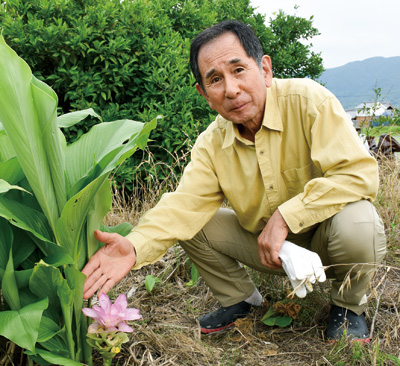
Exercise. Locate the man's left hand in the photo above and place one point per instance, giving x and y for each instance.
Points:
(271, 239)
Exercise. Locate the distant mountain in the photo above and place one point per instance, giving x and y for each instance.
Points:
(354, 82)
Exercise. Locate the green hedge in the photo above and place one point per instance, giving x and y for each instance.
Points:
(130, 59)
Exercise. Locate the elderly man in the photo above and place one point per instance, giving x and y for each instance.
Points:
(296, 176)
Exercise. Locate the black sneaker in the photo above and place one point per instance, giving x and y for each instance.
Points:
(342, 319)
(223, 318)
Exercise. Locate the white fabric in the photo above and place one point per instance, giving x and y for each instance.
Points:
(302, 266)
(255, 299)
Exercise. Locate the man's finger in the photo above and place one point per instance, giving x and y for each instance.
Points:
(91, 266)
(106, 238)
(107, 287)
(92, 284)
(100, 282)
(92, 278)
(88, 292)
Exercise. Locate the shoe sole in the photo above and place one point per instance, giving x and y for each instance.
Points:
(361, 341)
(216, 330)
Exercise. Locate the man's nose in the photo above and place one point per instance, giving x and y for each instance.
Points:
(232, 87)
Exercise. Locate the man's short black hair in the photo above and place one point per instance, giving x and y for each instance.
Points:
(246, 35)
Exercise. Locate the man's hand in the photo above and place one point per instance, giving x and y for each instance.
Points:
(271, 239)
(109, 265)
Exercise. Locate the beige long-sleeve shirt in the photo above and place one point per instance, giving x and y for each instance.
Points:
(307, 161)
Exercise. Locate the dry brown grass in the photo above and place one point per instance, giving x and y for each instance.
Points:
(169, 333)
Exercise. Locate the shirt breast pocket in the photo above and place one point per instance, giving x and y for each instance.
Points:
(296, 178)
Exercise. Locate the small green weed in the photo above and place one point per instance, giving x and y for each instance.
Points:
(150, 282)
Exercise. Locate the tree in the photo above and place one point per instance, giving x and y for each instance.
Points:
(129, 59)
(292, 58)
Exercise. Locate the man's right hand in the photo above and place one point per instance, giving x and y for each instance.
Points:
(109, 265)
(271, 239)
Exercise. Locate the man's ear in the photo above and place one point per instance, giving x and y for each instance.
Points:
(204, 94)
(267, 70)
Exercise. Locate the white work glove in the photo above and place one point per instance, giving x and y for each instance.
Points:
(302, 266)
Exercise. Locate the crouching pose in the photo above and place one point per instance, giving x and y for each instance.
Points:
(299, 183)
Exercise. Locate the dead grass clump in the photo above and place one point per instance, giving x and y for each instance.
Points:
(129, 207)
(388, 201)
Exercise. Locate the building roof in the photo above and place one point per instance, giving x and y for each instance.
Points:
(369, 109)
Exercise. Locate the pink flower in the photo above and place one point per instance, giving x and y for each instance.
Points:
(111, 317)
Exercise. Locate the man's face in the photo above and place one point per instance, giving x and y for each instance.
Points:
(235, 86)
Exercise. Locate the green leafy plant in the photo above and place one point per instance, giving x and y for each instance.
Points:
(281, 313)
(194, 272)
(52, 197)
(150, 282)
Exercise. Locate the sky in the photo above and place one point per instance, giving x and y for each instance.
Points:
(351, 30)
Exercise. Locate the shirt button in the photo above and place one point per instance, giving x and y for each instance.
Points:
(271, 187)
(262, 152)
(301, 224)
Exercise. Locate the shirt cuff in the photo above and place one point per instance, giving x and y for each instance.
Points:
(295, 215)
(139, 243)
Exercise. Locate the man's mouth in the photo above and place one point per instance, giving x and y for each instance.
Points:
(238, 107)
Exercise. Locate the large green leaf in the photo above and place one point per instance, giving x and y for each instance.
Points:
(6, 150)
(6, 239)
(65, 296)
(58, 260)
(22, 277)
(22, 326)
(53, 338)
(5, 187)
(101, 204)
(56, 359)
(45, 280)
(28, 115)
(46, 108)
(48, 329)
(73, 218)
(122, 229)
(23, 246)
(11, 171)
(25, 218)
(70, 119)
(9, 286)
(76, 281)
(91, 154)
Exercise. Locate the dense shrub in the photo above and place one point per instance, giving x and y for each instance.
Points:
(129, 59)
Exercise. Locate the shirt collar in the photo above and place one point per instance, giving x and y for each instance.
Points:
(272, 119)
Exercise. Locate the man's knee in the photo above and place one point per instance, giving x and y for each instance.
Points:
(357, 233)
(218, 230)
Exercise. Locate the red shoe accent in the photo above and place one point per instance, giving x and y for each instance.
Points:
(361, 341)
(216, 330)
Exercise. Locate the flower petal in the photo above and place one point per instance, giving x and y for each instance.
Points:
(121, 303)
(123, 327)
(97, 308)
(105, 302)
(132, 314)
(91, 313)
(94, 328)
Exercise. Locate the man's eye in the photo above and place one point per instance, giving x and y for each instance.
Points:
(239, 70)
(215, 80)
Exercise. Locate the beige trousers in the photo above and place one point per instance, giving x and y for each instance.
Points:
(352, 243)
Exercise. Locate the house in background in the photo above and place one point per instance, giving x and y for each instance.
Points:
(365, 113)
